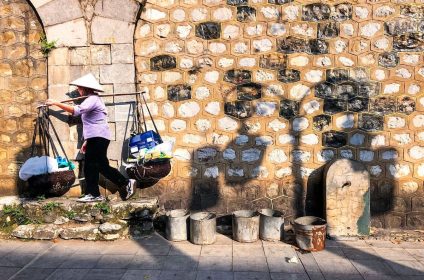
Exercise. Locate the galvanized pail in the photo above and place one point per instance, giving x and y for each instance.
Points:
(271, 225)
(176, 225)
(202, 228)
(310, 233)
(245, 226)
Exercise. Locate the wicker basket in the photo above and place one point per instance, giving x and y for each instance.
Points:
(149, 172)
(51, 184)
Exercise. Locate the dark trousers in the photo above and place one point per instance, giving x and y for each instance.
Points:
(96, 162)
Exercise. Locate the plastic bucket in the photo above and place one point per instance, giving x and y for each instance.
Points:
(245, 226)
(202, 228)
(176, 225)
(271, 225)
(310, 233)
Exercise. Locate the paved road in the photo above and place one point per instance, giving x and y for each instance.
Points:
(155, 258)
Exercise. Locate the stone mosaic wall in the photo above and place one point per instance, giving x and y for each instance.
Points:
(258, 95)
(23, 81)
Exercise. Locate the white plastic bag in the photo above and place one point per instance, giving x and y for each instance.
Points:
(36, 166)
(160, 151)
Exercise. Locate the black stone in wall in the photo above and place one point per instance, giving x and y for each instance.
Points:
(238, 109)
(346, 90)
(246, 14)
(388, 59)
(406, 105)
(162, 62)
(316, 12)
(383, 105)
(420, 27)
(334, 106)
(358, 104)
(279, 2)
(289, 108)
(208, 30)
(412, 11)
(370, 122)
(341, 91)
(321, 122)
(249, 91)
(318, 46)
(369, 89)
(328, 30)
(409, 42)
(179, 92)
(337, 75)
(237, 76)
(292, 44)
(288, 75)
(237, 2)
(272, 61)
(341, 12)
(335, 139)
(324, 90)
(400, 26)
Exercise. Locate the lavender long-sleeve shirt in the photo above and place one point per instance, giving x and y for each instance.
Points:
(94, 117)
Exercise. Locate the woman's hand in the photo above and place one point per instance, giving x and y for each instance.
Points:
(51, 102)
(83, 147)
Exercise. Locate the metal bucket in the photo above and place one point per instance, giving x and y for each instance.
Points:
(176, 225)
(245, 226)
(202, 228)
(310, 233)
(271, 225)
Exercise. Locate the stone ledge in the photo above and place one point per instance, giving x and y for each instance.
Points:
(68, 219)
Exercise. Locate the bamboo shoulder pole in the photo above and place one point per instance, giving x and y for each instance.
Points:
(102, 95)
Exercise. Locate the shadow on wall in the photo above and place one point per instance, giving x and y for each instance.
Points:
(350, 127)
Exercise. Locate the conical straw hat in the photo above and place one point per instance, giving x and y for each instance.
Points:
(88, 81)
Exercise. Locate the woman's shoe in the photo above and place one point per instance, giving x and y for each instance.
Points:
(90, 198)
(130, 188)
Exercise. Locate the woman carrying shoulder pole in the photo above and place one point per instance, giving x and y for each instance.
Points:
(97, 135)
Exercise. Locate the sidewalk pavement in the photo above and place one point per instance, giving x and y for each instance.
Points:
(155, 258)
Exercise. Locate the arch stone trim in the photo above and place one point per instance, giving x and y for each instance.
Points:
(125, 10)
(50, 15)
(39, 3)
(68, 27)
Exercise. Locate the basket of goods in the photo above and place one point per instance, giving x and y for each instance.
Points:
(148, 155)
(47, 175)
